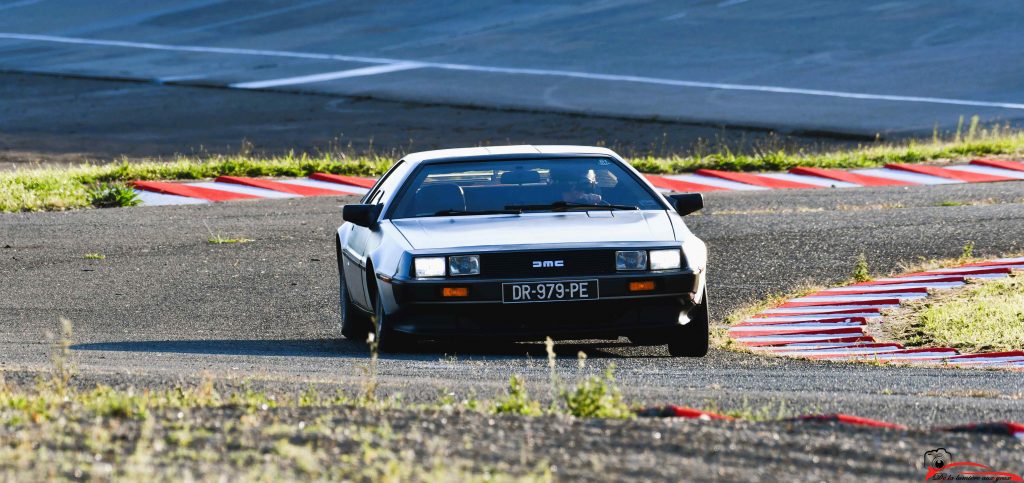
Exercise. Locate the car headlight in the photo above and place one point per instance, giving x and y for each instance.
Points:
(665, 259)
(426, 267)
(459, 265)
(631, 260)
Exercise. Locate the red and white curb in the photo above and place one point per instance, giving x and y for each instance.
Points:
(227, 188)
(830, 324)
(1004, 428)
(978, 171)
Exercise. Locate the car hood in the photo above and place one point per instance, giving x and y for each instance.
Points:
(536, 228)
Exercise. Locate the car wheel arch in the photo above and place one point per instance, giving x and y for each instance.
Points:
(371, 285)
(337, 249)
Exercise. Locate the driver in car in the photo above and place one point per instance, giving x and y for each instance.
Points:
(576, 185)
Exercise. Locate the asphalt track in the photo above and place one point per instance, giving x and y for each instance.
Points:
(846, 67)
(164, 303)
(58, 120)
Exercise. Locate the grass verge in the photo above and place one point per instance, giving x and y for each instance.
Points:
(984, 316)
(55, 429)
(106, 185)
(201, 434)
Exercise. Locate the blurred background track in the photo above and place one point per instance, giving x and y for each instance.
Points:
(849, 70)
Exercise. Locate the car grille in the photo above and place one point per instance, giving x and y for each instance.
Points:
(521, 264)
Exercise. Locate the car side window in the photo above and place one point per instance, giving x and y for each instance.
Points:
(388, 184)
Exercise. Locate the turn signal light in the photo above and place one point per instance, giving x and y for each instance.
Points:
(455, 292)
(641, 286)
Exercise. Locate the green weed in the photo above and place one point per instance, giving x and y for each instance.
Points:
(597, 397)
(63, 368)
(112, 196)
(106, 402)
(861, 273)
(219, 240)
(516, 400)
(968, 251)
(368, 394)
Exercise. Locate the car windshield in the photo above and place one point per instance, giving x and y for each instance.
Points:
(519, 186)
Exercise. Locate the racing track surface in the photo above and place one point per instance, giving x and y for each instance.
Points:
(165, 304)
(56, 120)
(845, 67)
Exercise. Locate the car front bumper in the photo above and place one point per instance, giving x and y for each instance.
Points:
(422, 310)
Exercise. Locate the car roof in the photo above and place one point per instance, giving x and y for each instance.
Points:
(506, 152)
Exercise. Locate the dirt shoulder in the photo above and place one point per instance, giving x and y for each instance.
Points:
(212, 431)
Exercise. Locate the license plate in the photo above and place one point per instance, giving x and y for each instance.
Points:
(562, 290)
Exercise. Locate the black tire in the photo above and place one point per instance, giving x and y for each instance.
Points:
(387, 340)
(355, 324)
(691, 340)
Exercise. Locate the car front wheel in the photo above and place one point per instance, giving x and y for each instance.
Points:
(355, 325)
(387, 340)
(691, 340)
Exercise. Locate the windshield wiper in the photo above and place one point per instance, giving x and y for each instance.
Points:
(569, 205)
(506, 211)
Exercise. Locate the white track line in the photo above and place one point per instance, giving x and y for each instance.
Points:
(755, 331)
(315, 183)
(921, 355)
(813, 180)
(915, 279)
(822, 308)
(712, 181)
(248, 190)
(843, 352)
(797, 338)
(898, 286)
(328, 76)
(801, 318)
(150, 198)
(984, 361)
(194, 48)
(794, 325)
(513, 70)
(981, 275)
(904, 176)
(961, 270)
(800, 346)
(854, 298)
(974, 168)
(23, 3)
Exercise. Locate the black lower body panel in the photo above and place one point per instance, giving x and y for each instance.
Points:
(424, 312)
(559, 320)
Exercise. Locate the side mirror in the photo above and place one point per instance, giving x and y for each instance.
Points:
(687, 203)
(362, 215)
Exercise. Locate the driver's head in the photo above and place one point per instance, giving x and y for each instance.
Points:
(574, 180)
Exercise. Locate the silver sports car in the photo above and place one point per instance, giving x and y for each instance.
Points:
(520, 243)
